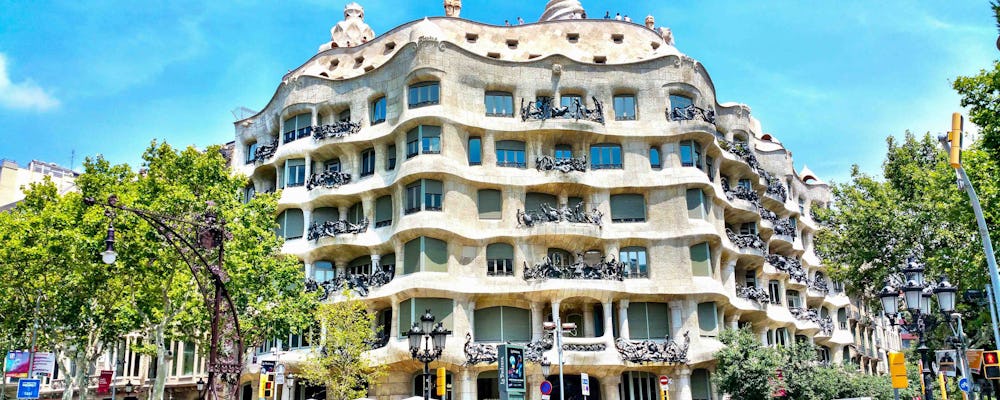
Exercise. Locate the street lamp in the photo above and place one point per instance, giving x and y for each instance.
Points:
(917, 295)
(128, 387)
(427, 344)
(200, 384)
(546, 367)
(562, 327)
(199, 240)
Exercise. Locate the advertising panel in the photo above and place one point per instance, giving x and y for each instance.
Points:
(16, 364)
(45, 364)
(510, 368)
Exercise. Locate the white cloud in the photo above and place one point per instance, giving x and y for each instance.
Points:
(25, 95)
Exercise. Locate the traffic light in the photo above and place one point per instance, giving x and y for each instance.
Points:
(263, 384)
(267, 386)
(955, 138)
(991, 364)
(442, 383)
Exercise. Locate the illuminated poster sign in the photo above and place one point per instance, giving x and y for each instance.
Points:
(510, 364)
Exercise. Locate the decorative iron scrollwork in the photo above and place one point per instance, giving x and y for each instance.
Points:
(742, 150)
(334, 228)
(361, 284)
(328, 179)
(819, 285)
(755, 294)
(542, 109)
(788, 265)
(547, 213)
(691, 112)
(549, 163)
(585, 347)
(478, 353)
(265, 152)
(607, 269)
(784, 227)
(746, 240)
(774, 187)
(645, 351)
(740, 192)
(809, 315)
(381, 339)
(337, 129)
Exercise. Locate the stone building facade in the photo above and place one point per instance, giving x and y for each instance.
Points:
(503, 175)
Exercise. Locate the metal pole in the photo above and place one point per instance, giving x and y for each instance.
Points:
(34, 334)
(984, 232)
(961, 354)
(559, 350)
(427, 383)
(926, 375)
(993, 314)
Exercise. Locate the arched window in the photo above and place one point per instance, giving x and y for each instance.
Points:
(701, 260)
(290, 223)
(360, 266)
(560, 257)
(500, 259)
(634, 258)
(425, 254)
(378, 111)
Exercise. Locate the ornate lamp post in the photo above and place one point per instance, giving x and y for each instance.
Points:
(426, 344)
(562, 327)
(917, 297)
(196, 239)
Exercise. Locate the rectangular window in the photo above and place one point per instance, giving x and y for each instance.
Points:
(424, 139)
(793, 298)
(708, 318)
(648, 321)
(499, 104)
(323, 271)
(634, 258)
(606, 156)
(378, 111)
(189, 356)
(295, 172)
(410, 311)
(697, 206)
(572, 103)
(356, 213)
(344, 116)
(499, 259)
(390, 157)
(367, 162)
(563, 152)
(745, 184)
(332, 165)
(425, 254)
(425, 194)
(290, 223)
(710, 168)
(489, 203)
(628, 208)
(297, 127)
(624, 107)
(750, 279)
(475, 150)
(691, 154)
(802, 206)
(423, 94)
(781, 337)
(748, 228)
(432, 195)
(654, 158)
(774, 291)
(510, 153)
(383, 211)
(251, 152)
(701, 260)
(502, 324)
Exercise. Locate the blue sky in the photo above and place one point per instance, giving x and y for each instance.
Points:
(829, 79)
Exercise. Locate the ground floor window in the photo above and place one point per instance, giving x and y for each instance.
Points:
(488, 386)
(573, 389)
(418, 385)
(638, 385)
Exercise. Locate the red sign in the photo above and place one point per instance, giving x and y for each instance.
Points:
(664, 380)
(104, 382)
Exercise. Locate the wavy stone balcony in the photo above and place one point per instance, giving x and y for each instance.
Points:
(810, 315)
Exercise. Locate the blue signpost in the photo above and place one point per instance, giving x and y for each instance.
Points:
(28, 388)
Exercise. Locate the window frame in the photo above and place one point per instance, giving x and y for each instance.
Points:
(420, 142)
(597, 160)
(298, 178)
(251, 152)
(436, 200)
(367, 162)
(655, 151)
(506, 110)
(638, 270)
(511, 153)
(475, 154)
(377, 105)
(626, 197)
(499, 266)
(382, 222)
(696, 155)
(489, 213)
(390, 157)
(622, 114)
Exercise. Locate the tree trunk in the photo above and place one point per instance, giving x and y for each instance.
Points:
(162, 362)
(68, 380)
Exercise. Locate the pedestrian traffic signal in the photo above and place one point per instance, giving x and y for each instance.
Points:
(955, 138)
(991, 364)
(442, 383)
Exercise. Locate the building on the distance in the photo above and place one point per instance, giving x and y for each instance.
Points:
(503, 175)
(14, 179)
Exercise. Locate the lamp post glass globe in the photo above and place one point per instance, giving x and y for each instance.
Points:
(427, 321)
(925, 300)
(890, 299)
(129, 388)
(415, 334)
(200, 384)
(912, 293)
(109, 257)
(439, 335)
(546, 366)
(945, 293)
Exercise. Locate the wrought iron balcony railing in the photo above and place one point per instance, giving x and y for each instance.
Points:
(649, 351)
(549, 163)
(334, 228)
(691, 112)
(361, 284)
(774, 187)
(791, 266)
(548, 214)
(752, 293)
(484, 353)
(607, 269)
(543, 108)
(264, 152)
(328, 179)
(784, 227)
(337, 129)
(747, 240)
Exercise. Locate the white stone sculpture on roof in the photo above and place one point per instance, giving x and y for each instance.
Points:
(452, 8)
(562, 9)
(353, 30)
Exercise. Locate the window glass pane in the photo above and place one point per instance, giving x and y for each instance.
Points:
(475, 150)
(707, 317)
(572, 103)
(432, 194)
(563, 152)
(360, 265)
(635, 261)
(406, 316)
(658, 319)
(624, 107)
(411, 256)
(189, 358)
(251, 150)
(323, 271)
(413, 197)
(367, 162)
(701, 388)
(628, 208)
(695, 200)
(499, 104)
(488, 325)
(436, 252)
(378, 111)
(390, 157)
(323, 214)
(638, 328)
(383, 209)
(701, 260)
(489, 203)
(356, 213)
(605, 156)
(654, 157)
(293, 223)
(687, 153)
(413, 142)
(678, 101)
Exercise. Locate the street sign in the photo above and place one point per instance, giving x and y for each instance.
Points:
(267, 366)
(664, 382)
(897, 370)
(545, 388)
(279, 374)
(546, 397)
(975, 358)
(585, 384)
(964, 385)
(104, 382)
(28, 388)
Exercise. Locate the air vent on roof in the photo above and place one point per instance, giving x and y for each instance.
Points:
(324, 74)
(573, 37)
(600, 59)
(493, 54)
(617, 38)
(512, 43)
(389, 46)
(655, 45)
(334, 63)
(369, 68)
(359, 59)
(532, 56)
(471, 37)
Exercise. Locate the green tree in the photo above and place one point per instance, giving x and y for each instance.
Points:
(745, 367)
(341, 363)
